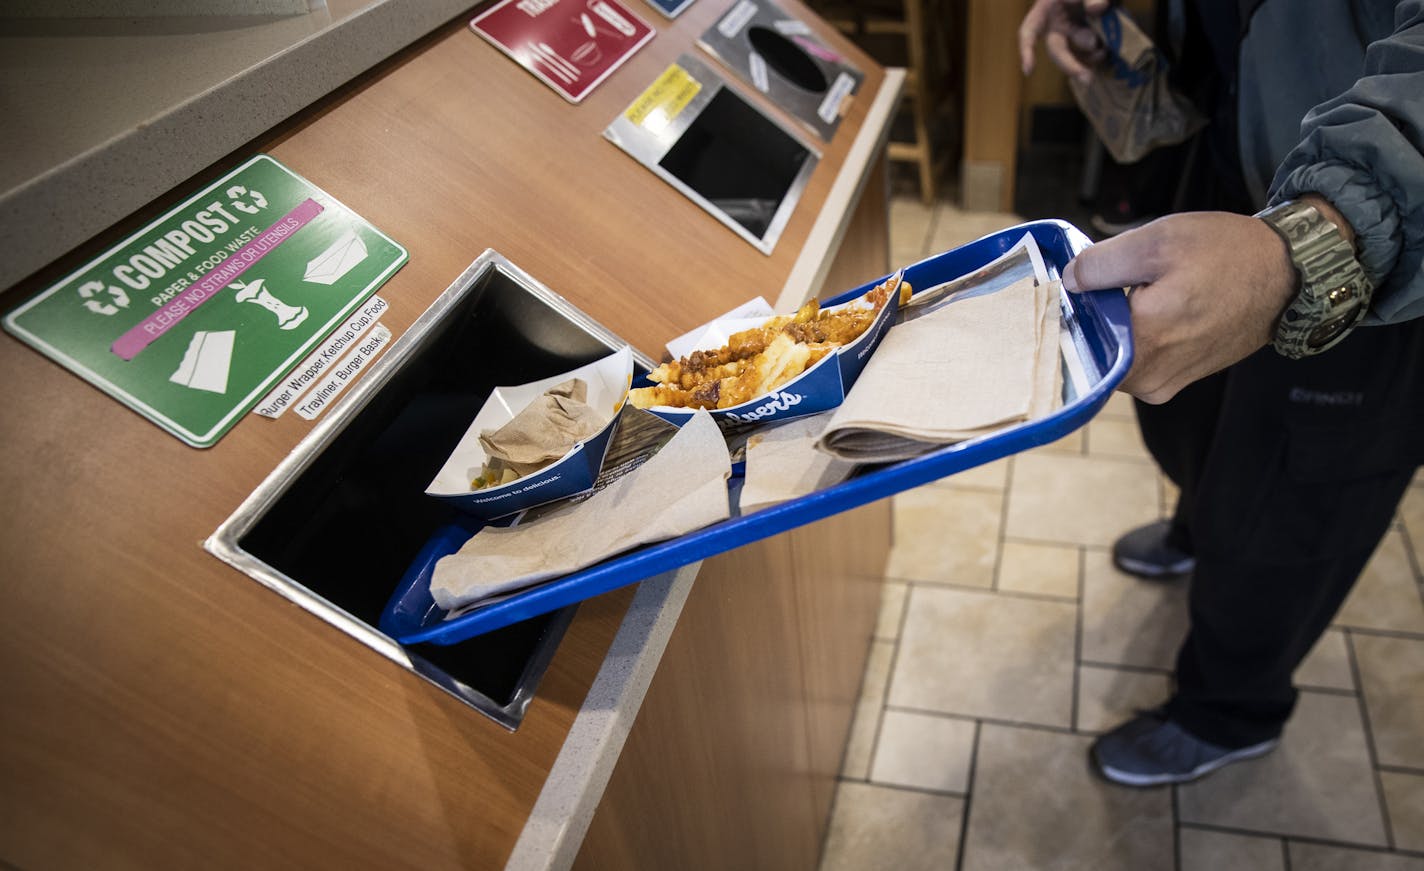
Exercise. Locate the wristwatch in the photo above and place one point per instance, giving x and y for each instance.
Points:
(1334, 290)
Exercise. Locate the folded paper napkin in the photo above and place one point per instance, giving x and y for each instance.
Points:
(681, 488)
(545, 430)
(971, 367)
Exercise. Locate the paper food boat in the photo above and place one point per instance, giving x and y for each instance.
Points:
(819, 388)
(573, 473)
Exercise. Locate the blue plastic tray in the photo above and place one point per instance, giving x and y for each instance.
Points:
(1097, 324)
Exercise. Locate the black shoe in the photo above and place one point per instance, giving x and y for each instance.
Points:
(1150, 750)
(1145, 552)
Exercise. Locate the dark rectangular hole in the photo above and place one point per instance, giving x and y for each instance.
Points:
(737, 159)
(351, 523)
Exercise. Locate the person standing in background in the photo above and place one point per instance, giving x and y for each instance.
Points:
(1279, 369)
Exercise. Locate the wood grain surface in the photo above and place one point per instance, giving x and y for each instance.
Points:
(163, 710)
(993, 85)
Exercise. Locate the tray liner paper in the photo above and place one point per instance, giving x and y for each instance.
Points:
(971, 367)
(782, 463)
(681, 488)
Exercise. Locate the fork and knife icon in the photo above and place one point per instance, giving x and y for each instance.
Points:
(562, 69)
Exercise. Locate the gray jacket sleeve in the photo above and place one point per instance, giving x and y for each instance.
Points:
(1364, 151)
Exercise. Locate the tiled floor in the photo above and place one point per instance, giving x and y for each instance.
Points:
(1007, 640)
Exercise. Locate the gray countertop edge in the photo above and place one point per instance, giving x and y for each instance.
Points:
(44, 218)
(554, 832)
(556, 826)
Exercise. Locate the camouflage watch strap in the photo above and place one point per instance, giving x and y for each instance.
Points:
(1334, 291)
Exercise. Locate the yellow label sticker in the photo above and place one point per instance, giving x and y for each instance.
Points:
(664, 99)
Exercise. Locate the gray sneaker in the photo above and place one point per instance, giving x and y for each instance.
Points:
(1150, 749)
(1145, 552)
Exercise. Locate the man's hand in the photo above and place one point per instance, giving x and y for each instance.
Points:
(1063, 26)
(1207, 289)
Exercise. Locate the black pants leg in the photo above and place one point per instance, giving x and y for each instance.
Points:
(1179, 436)
(1290, 474)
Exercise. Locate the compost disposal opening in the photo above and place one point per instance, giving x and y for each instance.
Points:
(788, 59)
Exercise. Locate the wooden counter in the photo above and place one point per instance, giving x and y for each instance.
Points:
(164, 710)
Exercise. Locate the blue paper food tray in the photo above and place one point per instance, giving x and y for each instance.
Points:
(1097, 326)
(818, 389)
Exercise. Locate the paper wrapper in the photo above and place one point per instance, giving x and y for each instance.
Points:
(1129, 102)
(573, 472)
(545, 429)
(783, 463)
(681, 488)
(969, 368)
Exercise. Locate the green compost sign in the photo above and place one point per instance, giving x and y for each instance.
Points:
(194, 318)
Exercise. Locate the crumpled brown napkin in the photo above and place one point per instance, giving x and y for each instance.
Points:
(545, 430)
(681, 488)
(1129, 102)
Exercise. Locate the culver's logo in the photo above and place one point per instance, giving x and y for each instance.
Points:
(780, 402)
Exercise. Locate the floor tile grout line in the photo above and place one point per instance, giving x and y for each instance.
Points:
(875, 733)
(1402, 634)
(1326, 691)
(1299, 839)
(1056, 448)
(988, 591)
(899, 618)
(1364, 707)
(1055, 542)
(1176, 830)
(1123, 666)
(903, 619)
(1410, 555)
(1078, 641)
(859, 698)
(1316, 691)
(993, 721)
(1139, 460)
(904, 787)
(1402, 769)
(830, 818)
(930, 712)
(1003, 524)
(1285, 855)
(1350, 845)
(1143, 459)
(968, 797)
(948, 483)
(884, 703)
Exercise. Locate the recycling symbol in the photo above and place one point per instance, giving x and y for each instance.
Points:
(91, 289)
(237, 192)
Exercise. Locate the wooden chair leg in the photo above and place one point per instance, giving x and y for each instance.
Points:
(922, 101)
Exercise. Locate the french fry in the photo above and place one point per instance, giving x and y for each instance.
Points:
(757, 361)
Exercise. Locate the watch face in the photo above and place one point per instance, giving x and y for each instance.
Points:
(1324, 333)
